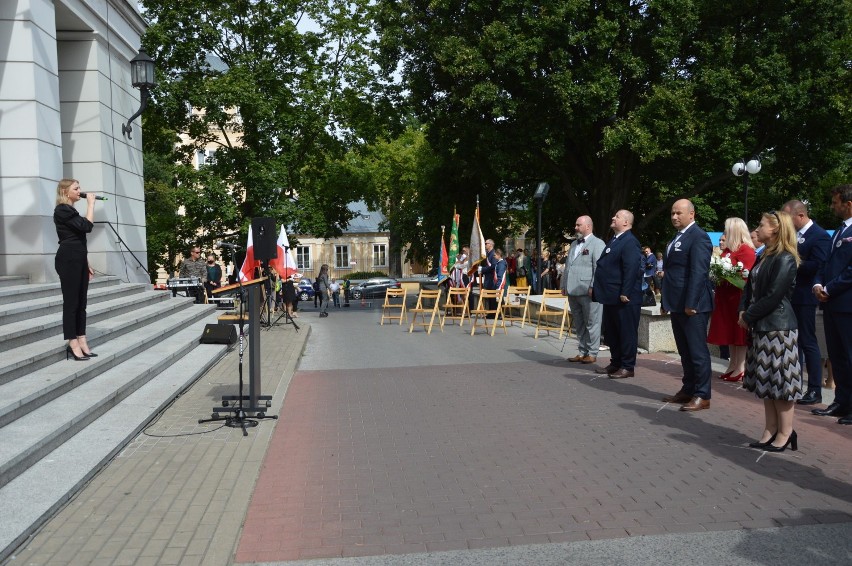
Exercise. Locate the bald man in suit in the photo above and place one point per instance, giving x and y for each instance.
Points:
(618, 287)
(687, 295)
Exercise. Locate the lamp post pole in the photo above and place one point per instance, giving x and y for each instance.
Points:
(745, 169)
(539, 196)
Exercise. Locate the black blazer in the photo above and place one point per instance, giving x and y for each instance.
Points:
(619, 271)
(836, 275)
(813, 247)
(771, 288)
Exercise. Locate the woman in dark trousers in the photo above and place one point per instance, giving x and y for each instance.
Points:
(72, 265)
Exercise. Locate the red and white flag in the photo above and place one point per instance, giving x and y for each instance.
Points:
(284, 264)
(249, 264)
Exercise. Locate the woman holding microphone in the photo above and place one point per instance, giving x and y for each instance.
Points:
(72, 265)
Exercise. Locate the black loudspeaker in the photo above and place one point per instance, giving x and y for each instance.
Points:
(219, 334)
(264, 239)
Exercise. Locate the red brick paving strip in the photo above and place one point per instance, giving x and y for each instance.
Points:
(406, 460)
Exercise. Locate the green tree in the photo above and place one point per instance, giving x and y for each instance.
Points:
(281, 89)
(392, 175)
(626, 104)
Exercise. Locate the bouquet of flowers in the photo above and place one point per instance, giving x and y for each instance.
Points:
(723, 269)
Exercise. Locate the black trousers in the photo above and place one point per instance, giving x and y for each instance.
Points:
(690, 334)
(809, 354)
(73, 268)
(839, 343)
(621, 330)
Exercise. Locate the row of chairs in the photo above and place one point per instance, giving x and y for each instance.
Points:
(491, 309)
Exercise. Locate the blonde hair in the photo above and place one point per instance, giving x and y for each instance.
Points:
(62, 191)
(736, 234)
(786, 238)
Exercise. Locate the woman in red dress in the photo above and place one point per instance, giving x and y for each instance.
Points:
(724, 329)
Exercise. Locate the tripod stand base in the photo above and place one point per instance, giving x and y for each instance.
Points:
(239, 422)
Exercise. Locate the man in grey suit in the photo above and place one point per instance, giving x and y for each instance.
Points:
(577, 281)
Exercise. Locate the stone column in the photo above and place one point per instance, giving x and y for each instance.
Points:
(30, 140)
(64, 93)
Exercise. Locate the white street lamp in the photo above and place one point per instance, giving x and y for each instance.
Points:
(745, 169)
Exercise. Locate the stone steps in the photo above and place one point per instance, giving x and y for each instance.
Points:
(62, 420)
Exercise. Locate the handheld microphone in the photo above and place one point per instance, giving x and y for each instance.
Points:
(227, 245)
(97, 197)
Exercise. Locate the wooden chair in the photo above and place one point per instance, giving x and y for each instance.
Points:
(394, 306)
(456, 301)
(549, 310)
(482, 311)
(422, 310)
(517, 299)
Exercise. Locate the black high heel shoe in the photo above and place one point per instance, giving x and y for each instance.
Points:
(70, 353)
(792, 442)
(90, 354)
(759, 444)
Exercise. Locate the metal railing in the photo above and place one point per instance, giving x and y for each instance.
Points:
(122, 242)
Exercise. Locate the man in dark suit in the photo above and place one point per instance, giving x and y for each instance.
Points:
(618, 287)
(833, 288)
(813, 246)
(688, 297)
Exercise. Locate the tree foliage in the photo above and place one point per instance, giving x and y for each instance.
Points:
(391, 174)
(281, 89)
(626, 104)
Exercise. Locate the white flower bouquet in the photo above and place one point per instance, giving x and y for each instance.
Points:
(723, 269)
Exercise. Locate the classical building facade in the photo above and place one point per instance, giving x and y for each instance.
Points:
(64, 94)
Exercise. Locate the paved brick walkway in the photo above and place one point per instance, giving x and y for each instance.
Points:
(380, 453)
(416, 459)
(178, 494)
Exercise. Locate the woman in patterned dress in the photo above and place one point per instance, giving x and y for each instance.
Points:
(773, 371)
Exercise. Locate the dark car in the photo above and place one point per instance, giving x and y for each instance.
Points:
(373, 288)
(305, 290)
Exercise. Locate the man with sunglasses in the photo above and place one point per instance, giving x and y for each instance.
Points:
(195, 266)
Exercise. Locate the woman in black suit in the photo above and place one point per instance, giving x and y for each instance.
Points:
(72, 265)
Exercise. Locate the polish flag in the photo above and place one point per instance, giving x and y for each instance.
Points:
(284, 264)
(247, 270)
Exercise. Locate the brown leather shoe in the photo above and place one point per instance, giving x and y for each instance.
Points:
(696, 404)
(589, 359)
(607, 370)
(577, 358)
(679, 397)
(621, 374)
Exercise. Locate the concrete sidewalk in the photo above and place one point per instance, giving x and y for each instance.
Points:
(398, 448)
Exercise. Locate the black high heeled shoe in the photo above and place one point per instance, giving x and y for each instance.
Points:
(70, 353)
(792, 442)
(90, 354)
(759, 444)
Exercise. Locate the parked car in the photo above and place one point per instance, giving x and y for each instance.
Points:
(373, 288)
(305, 290)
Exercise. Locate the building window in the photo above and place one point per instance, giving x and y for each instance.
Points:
(204, 157)
(380, 258)
(341, 257)
(303, 258)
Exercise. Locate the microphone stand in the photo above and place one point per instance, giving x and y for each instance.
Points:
(239, 417)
